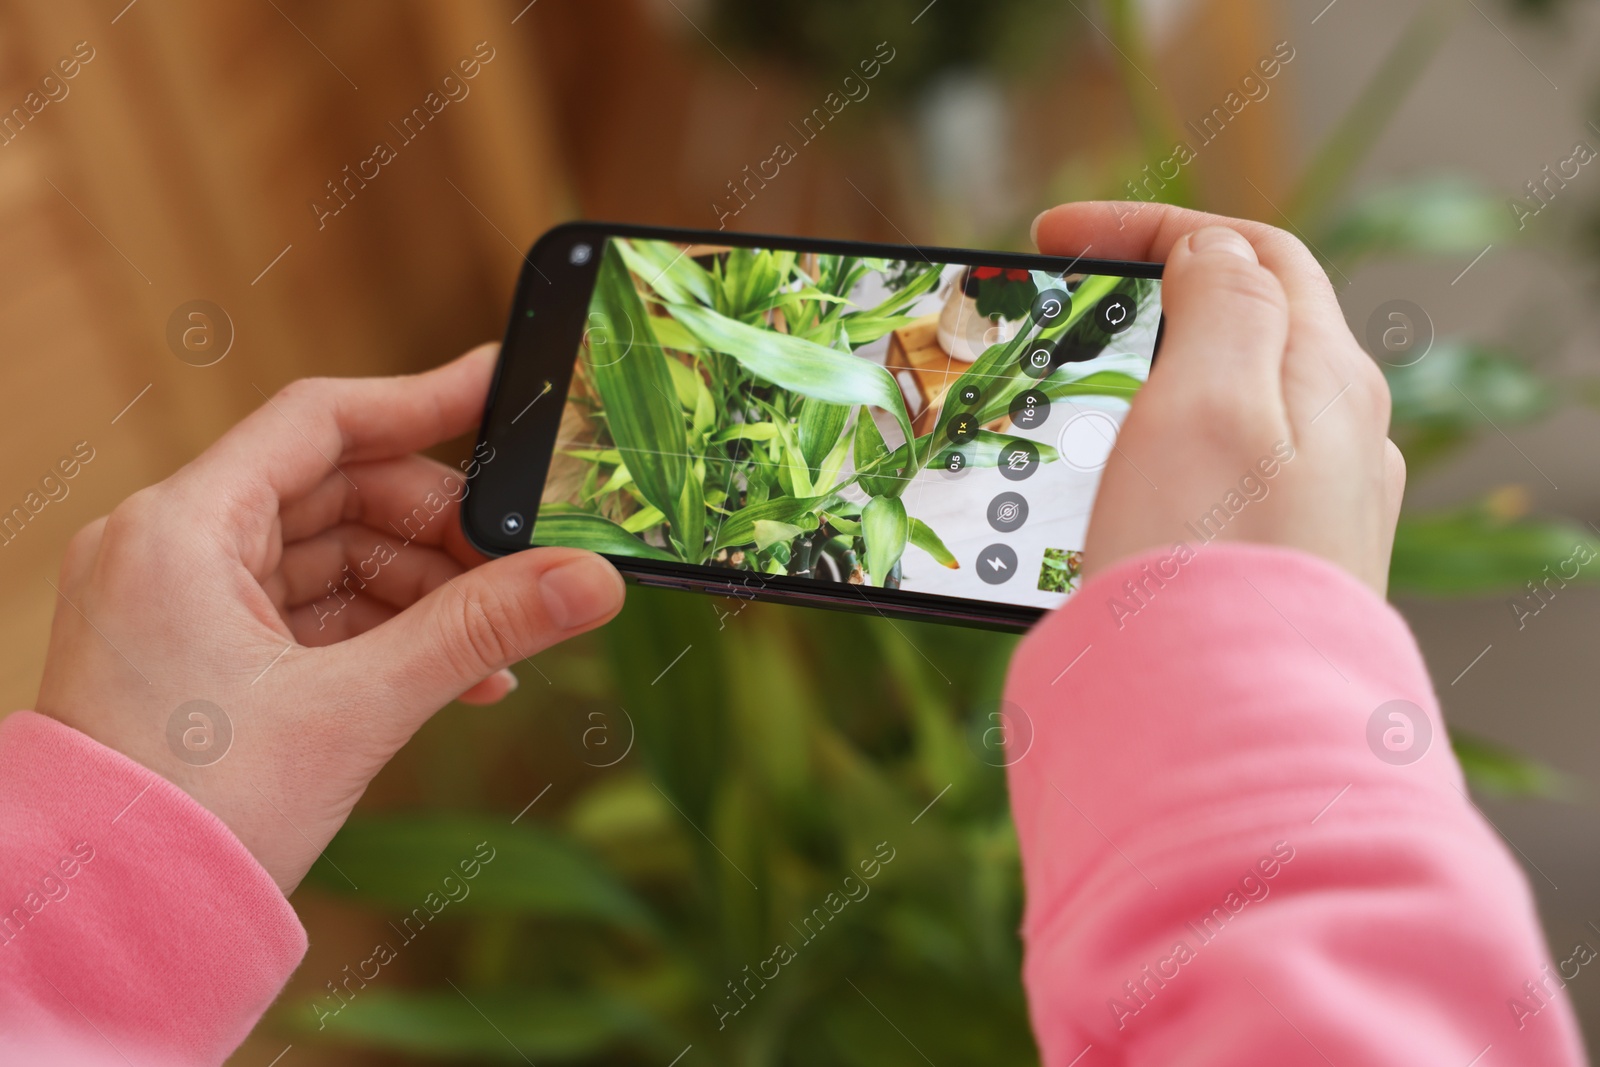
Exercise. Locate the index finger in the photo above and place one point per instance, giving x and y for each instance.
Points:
(1111, 229)
(316, 426)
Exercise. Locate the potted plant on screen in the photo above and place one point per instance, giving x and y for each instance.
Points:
(983, 307)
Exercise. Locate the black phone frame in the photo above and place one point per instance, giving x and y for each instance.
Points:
(539, 355)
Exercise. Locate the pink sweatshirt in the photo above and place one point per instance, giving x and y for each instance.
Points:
(1219, 868)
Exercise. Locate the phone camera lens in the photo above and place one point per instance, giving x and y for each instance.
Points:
(512, 523)
(579, 255)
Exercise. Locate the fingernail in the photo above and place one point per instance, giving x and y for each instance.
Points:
(511, 681)
(1033, 227)
(1221, 239)
(577, 593)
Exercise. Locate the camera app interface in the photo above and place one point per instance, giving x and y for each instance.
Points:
(935, 428)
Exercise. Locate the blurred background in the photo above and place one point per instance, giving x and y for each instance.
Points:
(661, 800)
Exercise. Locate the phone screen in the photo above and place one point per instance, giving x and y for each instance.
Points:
(899, 424)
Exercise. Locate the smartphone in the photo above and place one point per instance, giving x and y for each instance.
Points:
(914, 432)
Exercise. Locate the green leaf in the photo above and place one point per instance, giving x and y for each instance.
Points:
(526, 1025)
(618, 808)
(870, 455)
(796, 364)
(619, 478)
(885, 529)
(686, 384)
(1459, 390)
(606, 455)
(809, 294)
(842, 524)
(597, 534)
(864, 329)
(833, 462)
(1439, 215)
(769, 533)
(641, 410)
(643, 519)
(924, 538)
(680, 715)
(1473, 552)
(750, 277)
(986, 449)
(398, 861)
(665, 268)
(705, 412)
(903, 297)
(1005, 298)
(747, 431)
(793, 470)
(1062, 385)
(671, 334)
(820, 426)
(1100, 383)
(690, 534)
(1494, 768)
(740, 527)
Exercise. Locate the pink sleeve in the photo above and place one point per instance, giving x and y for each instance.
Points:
(1221, 869)
(134, 927)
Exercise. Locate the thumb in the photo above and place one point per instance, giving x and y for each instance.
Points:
(1227, 323)
(479, 622)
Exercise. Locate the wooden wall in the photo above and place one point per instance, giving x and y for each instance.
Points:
(179, 165)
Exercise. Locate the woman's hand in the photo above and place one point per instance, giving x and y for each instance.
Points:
(308, 576)
(1256, 364)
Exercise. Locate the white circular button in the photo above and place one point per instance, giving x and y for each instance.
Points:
(1087, 440)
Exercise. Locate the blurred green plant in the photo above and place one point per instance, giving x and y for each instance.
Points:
(1486, 547)
(752, 788)
(1498, 770)
(822, 41)
(1445, 399)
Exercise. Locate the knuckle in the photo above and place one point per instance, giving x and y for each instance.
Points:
(81, 549)
(134, 544)
(1214, 409)
(1286, 242)
(1230, 423)
(306, 392)
(1396, 461)
(1250, 283)
(486, 623)
(86, 538)
(137, 516)
(1220, 420)
(1283, 238)
(1296, 253)
(1371, 391)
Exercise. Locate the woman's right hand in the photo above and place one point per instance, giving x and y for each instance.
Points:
(1256, 363)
